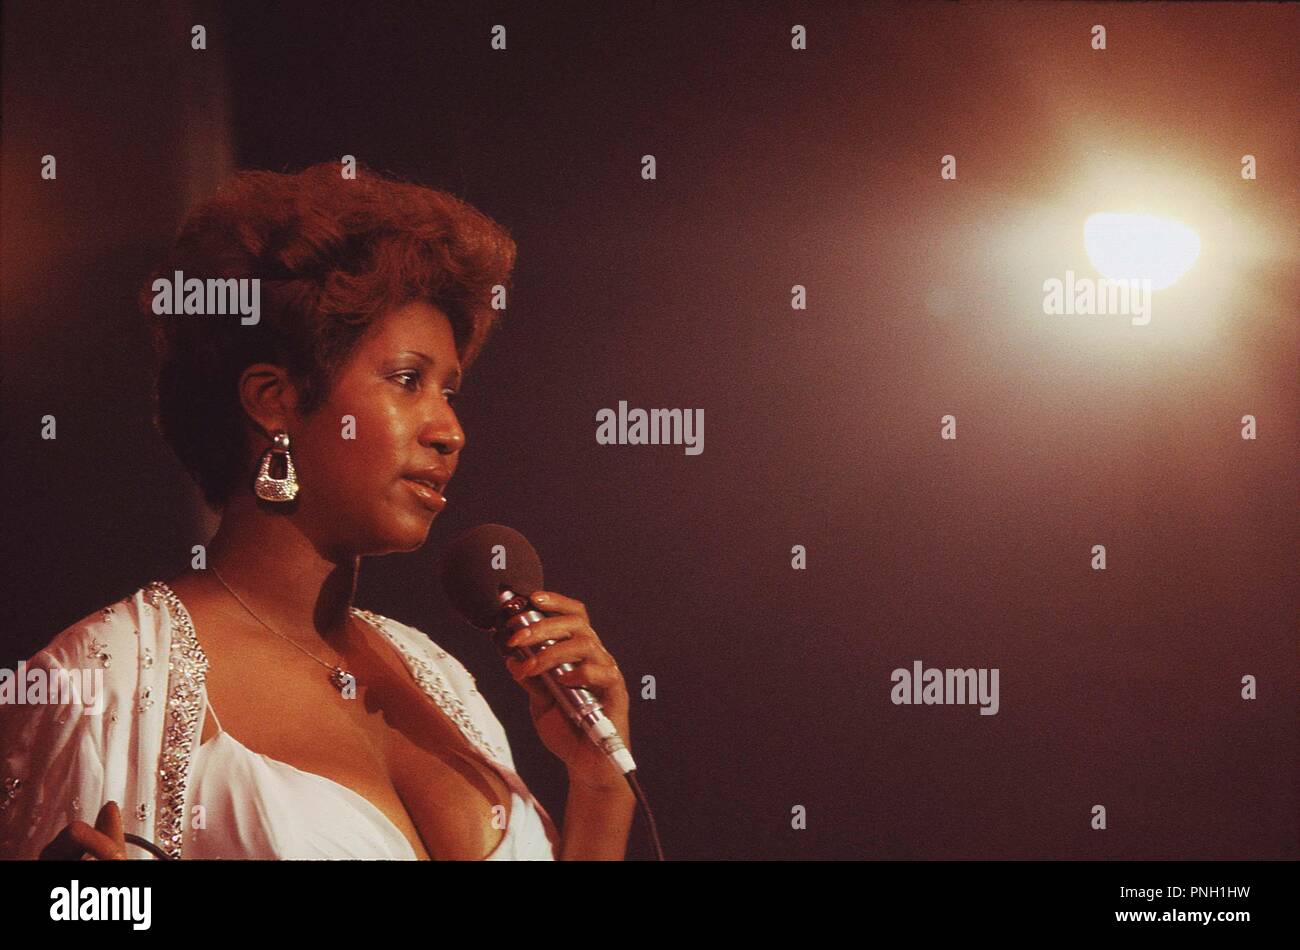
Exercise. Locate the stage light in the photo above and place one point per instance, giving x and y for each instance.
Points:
(1141, 246)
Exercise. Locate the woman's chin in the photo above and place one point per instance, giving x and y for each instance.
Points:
(414, 546)
(407, 531)
(412, 538)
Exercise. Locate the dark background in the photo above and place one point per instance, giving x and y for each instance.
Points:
(821, 426)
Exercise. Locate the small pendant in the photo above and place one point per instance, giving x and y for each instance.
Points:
(342, 679)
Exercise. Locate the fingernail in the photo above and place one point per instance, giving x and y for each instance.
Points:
(540, 599)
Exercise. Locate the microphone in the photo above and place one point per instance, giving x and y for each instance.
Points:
(488, 573)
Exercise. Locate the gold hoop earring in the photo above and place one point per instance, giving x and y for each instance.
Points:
(268, 487)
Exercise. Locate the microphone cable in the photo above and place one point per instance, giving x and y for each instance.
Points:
(645, 810)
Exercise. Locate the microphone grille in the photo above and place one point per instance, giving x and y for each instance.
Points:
(480, 563)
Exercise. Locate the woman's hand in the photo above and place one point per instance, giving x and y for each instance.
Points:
(78, 840)
(595, 671)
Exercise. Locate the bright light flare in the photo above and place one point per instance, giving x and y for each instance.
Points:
(1142, 246)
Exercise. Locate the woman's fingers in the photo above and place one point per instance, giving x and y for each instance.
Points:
(551, 602)
(576, 650)
(552, 628)
(79, 841)
(599, 677)
(109, 823)
(104, 842)
(534, 686)
(573, 641)
(65, 846)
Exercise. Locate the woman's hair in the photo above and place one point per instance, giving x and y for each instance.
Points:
(332, 254)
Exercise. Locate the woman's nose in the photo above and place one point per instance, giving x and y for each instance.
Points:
(445, 435)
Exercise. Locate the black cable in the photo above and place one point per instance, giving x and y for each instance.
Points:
(645, 810)
(148, 845)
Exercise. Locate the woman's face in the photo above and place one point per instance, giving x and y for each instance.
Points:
(357, 493)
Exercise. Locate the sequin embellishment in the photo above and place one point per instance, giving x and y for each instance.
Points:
(100, 652)
(11, 787)
(187, 668)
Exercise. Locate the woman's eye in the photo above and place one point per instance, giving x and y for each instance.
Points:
(410, 378)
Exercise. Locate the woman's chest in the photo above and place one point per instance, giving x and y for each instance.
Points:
(391, 742)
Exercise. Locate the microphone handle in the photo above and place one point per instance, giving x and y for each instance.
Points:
(578, 703)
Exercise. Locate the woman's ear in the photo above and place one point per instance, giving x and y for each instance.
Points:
(268, 397)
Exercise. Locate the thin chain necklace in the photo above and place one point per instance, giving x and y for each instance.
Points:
(339, 677)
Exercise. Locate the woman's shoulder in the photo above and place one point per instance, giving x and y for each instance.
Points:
(115, 630)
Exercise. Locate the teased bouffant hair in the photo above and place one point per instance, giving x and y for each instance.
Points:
(333, 254)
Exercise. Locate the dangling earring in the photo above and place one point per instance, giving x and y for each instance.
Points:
(270, 488)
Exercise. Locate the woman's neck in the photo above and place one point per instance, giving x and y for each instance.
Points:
(280, 575)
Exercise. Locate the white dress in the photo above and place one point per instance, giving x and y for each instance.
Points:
(62, 761)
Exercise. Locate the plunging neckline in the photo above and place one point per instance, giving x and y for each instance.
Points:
(509, 779)
(353, 795)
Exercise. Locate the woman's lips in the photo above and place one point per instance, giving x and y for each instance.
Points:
(426, 495)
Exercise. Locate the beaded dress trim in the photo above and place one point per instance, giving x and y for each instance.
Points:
(187, 669)
(429, 680)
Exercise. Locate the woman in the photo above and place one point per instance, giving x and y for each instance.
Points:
(250, 710)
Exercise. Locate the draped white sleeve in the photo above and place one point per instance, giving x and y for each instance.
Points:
(62, 761)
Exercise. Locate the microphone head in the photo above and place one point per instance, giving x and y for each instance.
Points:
(482, 562)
